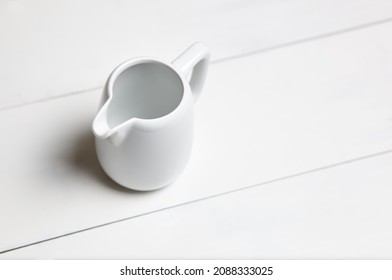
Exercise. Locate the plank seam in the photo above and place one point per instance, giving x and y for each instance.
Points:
(284, 178)
(264, 50)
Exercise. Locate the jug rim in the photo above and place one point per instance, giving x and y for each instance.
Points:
(145, 124)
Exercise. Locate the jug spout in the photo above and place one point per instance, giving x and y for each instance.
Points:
(102, 129)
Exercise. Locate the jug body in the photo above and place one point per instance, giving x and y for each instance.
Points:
(144, 128)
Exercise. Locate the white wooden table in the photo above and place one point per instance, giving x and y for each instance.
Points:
(292, 155)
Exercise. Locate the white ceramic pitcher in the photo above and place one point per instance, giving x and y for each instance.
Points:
(144, 128)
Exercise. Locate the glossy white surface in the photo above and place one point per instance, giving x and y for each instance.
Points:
(49, 48)
(285, 111)
(337, 213)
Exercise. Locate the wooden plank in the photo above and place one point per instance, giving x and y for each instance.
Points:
(338, 213)
(52, 48)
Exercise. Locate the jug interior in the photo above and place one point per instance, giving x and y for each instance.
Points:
(147, 91)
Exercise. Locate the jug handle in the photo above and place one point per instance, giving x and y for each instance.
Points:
(195, 59)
